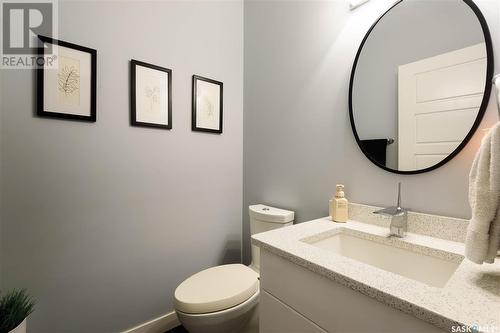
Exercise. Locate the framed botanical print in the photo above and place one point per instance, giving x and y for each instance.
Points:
(151, 95)
(207, 105)
(66, 88)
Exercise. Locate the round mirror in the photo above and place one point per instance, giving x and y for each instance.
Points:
(420, 84)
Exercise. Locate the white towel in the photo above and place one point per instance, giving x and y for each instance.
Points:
(483, 233)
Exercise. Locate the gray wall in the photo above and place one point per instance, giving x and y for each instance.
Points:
(414, 30)
(102, 221)
(297, 138)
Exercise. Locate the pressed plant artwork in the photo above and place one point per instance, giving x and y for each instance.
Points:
(69, 80)
(150, 95)
(207, 105)
(67, 86)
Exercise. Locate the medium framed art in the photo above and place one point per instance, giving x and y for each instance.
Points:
(151, 95)
(207, 105)
(67, 89)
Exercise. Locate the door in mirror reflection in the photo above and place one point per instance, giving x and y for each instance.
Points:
(420, 84)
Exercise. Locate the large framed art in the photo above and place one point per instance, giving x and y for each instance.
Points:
(207, 105)
(66, 88)
(150, 95)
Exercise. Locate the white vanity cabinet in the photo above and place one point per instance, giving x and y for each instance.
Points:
(295, 299)
(279, 317)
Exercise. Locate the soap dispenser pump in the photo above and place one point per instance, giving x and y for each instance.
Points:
(339, 205)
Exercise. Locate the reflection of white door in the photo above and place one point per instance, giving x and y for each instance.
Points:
(439, 98)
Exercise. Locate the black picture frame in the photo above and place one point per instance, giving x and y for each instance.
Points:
(41, 112)
(482, 109)
(133, 95)
(194, 125)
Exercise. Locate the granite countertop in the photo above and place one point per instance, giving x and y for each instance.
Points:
(471, 297)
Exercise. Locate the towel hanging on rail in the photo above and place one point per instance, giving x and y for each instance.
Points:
(483, 233)
(377, 149)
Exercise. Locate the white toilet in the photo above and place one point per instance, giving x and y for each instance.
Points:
(224, 299)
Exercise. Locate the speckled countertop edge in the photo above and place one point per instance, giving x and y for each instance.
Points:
(470, 297)
(443, 227)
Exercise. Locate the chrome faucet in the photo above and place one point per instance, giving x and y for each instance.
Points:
(398, 215)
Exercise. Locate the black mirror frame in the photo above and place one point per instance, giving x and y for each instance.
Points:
(482, 109)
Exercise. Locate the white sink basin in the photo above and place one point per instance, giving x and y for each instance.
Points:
(431, 270)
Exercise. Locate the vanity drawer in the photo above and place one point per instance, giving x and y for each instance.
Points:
(331, 306)
(276, 317)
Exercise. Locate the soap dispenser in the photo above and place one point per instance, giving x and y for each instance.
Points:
(339, 205)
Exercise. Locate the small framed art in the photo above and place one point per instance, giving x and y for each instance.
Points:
(67, 89)
(151, 95)
(207, 105)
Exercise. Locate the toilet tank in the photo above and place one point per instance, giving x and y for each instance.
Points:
(265, 218)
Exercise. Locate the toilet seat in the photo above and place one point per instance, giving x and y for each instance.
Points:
(216, 288)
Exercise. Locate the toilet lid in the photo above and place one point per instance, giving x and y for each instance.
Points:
(216, 288)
